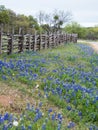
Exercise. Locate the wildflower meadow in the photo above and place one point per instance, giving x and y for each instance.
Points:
(54, 89)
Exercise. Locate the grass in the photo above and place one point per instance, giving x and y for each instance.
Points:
(64, 79)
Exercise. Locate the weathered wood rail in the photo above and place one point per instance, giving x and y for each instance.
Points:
(11, 43)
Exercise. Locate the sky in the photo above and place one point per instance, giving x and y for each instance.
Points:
(85, 12)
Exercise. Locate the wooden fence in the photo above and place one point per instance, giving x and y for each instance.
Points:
(11, 43)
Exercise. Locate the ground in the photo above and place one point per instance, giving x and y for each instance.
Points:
(93, 44)
(13, 95)
(14, 98)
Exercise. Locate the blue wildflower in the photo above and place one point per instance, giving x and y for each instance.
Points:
(29, 127)
(44, 126)
(69, 108)
(40, 104)
(80, 113)
(71, 125)
(59, 126)
(50, 110)
(1, 119)
(6, 116)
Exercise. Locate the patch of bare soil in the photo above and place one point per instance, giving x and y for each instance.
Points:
(5, 100)
(12, 100)
(94, 45)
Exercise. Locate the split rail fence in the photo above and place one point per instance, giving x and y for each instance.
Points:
(10, 43)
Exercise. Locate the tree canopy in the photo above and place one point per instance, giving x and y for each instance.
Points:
(45, 22)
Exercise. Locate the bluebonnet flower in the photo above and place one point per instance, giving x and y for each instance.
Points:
(37, 110)
(10, 117)
(29, 127)
(53, 116)
(44, 126)
(23, 127)
(59, 127)
(46, 120)
(1, 119)
(28, 107)
(71, 125)
(80, 113)
(91, 128)
(50, 110)
(38, 116)
(68, 100)
(6, 116)
(54, 71)
(5, 127)
(40, 104)
(35, 76)
(4, 77)
(69, 108)
(96, 97)
(60, 117)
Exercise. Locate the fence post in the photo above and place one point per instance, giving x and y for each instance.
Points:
(40, 41)
(49, 40)
(21, 41)
(35, 41)
(66, 38)
(57, 39)
(54, 44)
(10, 43)
(63, 40)
(76, 38)
(45, 40)
(1, 31)
(13, 30)
(20, 29)
(30, 42)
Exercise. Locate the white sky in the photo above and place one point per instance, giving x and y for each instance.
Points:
(85, 12)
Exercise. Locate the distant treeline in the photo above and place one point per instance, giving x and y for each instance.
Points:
(42, 22)
(90, 33)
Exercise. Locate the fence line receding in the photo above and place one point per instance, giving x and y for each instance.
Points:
(10, 43)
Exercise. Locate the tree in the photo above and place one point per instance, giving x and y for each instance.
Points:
(46, 27)
(33, 22)
(22, 22)
(74, 27)
(48, 19)
(4, 16)
(53, 21)
(60, 18)
(12, 17)
(92, 33)
(40, 17)
(56, 21)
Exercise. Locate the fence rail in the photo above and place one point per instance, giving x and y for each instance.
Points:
(10, 43)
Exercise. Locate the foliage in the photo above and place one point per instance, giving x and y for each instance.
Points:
(74, 27)
(60, 18)
(67, 77)
(42, 22)
(4, 16)
(92, 33)
(83, 32)
(54, 21)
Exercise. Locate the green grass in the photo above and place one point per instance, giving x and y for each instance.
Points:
(69, 55)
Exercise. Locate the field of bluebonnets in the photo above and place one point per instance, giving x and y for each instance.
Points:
(57, 89)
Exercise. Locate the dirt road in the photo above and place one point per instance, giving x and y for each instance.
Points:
(93, 44)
